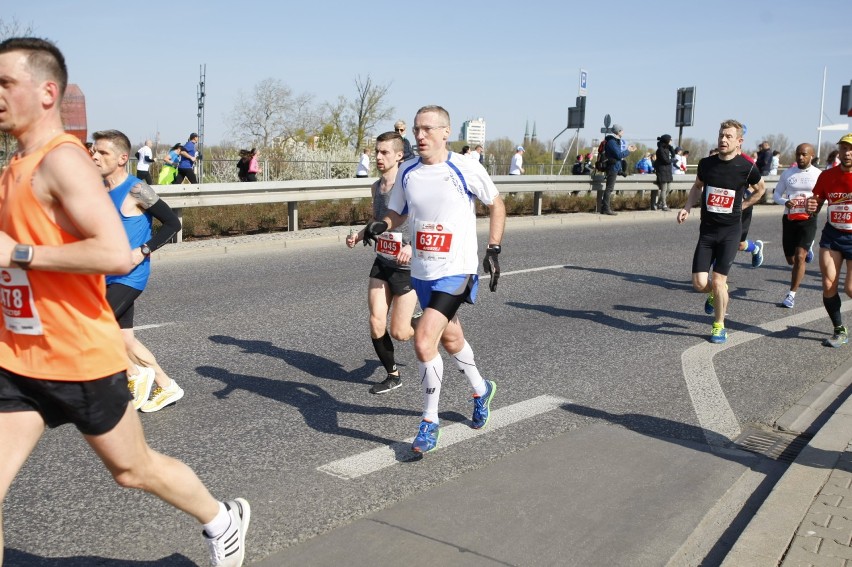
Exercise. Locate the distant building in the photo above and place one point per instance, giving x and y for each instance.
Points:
(73, 112)
(473, 132)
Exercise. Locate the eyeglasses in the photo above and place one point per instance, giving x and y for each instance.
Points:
(425, 129)
(399, 129)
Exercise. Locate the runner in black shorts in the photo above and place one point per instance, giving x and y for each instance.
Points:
(390, 277)
(720, 186)
(834, 187)
(798, 225)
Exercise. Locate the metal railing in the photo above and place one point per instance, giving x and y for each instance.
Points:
(293, 192)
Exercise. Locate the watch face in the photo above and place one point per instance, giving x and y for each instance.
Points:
(22, 254)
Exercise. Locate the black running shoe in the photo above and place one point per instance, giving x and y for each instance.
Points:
(389, 383)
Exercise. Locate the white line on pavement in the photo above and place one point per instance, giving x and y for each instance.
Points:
(382, 457)
(488, 276)
(143, 327)
(711, 406)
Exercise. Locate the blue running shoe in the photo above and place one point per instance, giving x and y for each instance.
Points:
(427, 437)
(757, 255)
(482, 405)
(708, 304)
(789, 301)
(810, 255)
(719, 334)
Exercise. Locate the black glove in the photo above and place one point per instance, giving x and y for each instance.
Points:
(372, 230)
(492, 266)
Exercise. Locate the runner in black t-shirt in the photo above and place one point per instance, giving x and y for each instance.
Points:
(720, 186)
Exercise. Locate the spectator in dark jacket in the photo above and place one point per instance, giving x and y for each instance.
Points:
(615, 154)
(764, 158)
(665, 157)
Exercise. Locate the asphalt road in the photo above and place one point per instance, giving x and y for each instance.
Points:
(596, 341)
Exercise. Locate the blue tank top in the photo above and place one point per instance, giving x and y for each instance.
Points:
(138, 229)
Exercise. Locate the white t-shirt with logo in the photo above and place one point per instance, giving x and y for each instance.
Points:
(440, 203)
(796, 185)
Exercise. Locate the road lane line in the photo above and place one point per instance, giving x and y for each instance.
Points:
(715, 415)
(382, 457)
(143, 327)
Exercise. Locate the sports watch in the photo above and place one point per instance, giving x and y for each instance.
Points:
(146, 250)
(22, 255)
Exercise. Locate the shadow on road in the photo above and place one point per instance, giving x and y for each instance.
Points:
(319, 409)
(664, 328)
(15, 558)
(638, 278)
(305, 361)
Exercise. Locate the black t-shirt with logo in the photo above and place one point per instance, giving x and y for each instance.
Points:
(725, 182)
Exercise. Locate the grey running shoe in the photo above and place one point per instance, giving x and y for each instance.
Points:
(390, 383)
(229, 549)
(840, 338)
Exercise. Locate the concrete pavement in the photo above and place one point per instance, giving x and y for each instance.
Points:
(806, 519)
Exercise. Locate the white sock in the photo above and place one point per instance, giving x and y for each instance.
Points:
(791, 293)
(219, 524)
(465, 363)
(431, 376)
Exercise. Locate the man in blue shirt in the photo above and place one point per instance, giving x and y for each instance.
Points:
(188, 155)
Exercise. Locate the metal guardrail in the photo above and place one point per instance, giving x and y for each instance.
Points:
(293, 192)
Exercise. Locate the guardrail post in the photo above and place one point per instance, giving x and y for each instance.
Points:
(537, 200)
(292, 216)
(179, 236)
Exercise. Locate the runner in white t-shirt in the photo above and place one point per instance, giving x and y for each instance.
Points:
(436, 194)
(793, 190)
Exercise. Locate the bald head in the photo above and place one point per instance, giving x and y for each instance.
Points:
(804, 155)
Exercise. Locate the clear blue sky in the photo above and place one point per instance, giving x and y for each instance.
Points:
(760, 62)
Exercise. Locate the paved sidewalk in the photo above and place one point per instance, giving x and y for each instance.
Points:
(807, 518)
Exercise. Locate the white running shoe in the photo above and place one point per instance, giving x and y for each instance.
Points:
(140, 386)
(163, 397)
(229, 549)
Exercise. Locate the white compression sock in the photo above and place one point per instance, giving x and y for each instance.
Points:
(431, 375)
(465, 363)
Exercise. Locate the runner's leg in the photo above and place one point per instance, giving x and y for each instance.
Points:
(19, 434)
(134, 464)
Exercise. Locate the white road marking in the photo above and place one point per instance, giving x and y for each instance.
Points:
(711, 406)
(528, 270)
(143, 327)
(382, 457)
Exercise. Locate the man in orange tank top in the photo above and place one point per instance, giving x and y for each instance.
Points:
(58, 234)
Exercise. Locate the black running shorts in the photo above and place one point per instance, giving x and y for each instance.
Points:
(837, 240)
(121, 299)
(797, 234)
(746, 221)
(94, 407)
(398, 280)
(718, 244)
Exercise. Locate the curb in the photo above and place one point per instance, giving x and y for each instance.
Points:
(768, 536)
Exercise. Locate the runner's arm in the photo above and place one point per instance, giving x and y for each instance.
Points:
(79, 204)
(497, 220)
(148, 200)
(758, 189)
(692, 200)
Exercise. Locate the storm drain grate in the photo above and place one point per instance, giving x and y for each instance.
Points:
(772, 444)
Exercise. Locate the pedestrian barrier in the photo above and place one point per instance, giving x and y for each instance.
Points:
(295, 191)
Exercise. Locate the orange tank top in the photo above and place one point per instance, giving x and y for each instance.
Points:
(56, 325)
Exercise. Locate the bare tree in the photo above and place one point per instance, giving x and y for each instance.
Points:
(367, 109)
(272, 111)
